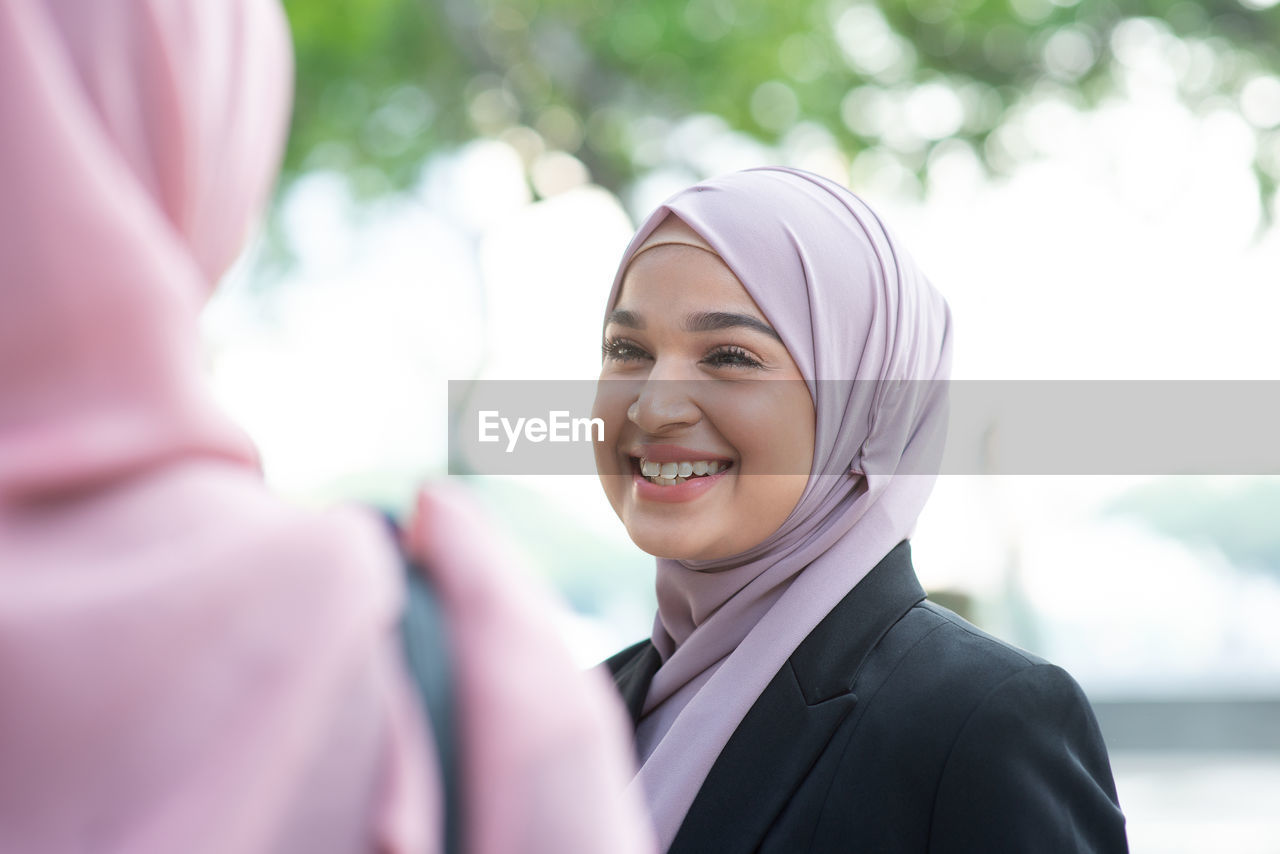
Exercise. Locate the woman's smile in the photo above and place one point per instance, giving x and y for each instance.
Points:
(673, 473)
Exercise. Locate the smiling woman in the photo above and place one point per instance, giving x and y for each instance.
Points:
(773, 390)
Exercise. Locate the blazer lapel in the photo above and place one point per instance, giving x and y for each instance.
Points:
(784, 733)
(756, 773)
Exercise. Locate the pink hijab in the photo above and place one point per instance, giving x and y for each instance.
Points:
(188, 663)
(854, 311)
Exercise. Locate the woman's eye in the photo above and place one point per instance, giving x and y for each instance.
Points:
(731, 357)
(621, 350)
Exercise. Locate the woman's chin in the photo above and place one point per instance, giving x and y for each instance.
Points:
(675, 548)
(661, 544)
(666, 554)
(658, 548)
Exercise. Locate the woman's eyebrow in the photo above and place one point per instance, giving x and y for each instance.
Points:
(711, 321)
(702, 321)
(622, 317)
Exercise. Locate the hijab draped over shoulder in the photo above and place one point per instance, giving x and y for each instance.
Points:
(858, 318)
(186, 662)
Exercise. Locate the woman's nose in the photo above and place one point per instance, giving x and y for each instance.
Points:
(664, 405)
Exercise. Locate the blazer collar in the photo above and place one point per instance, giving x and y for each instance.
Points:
(827, 661)
(785, 731)
(633, 670)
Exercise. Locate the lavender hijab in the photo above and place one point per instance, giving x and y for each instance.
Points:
(854, 311)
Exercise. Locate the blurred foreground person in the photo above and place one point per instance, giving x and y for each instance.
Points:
(188, 664)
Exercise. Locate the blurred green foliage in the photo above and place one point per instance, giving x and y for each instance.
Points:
(383, 83)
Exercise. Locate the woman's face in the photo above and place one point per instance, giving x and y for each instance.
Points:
(691, 383)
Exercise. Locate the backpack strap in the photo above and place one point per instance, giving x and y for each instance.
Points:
(427, 653)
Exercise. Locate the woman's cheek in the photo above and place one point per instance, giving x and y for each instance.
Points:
(611, 409)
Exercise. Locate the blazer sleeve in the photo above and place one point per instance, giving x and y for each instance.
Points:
(1029, 772)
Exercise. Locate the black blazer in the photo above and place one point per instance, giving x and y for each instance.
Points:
(896, 726)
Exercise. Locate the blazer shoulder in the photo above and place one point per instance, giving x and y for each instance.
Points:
(985, 746)
(1030, 751)
(947, 641)
(886, 633)
(935, 668)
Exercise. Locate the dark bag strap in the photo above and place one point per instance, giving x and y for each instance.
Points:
(424, 631)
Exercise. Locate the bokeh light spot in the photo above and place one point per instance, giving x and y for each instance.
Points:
(1260, 100)
(934, 111)
(774, 105)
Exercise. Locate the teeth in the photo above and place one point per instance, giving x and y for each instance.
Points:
(669, 474)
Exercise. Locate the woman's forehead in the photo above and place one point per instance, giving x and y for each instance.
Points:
(682, 277)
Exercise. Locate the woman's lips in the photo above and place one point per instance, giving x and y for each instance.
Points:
(677, 488)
